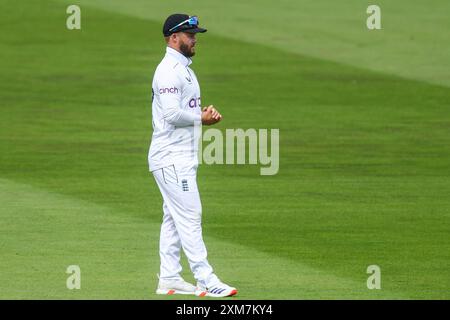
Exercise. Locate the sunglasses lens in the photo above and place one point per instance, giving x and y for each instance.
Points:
(193, 21)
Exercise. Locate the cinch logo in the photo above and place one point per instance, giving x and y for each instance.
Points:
(195, 102)
(168, 90)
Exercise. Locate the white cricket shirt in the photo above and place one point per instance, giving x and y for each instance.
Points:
(175, 110)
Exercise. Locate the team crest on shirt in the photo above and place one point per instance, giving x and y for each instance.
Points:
(184, 184)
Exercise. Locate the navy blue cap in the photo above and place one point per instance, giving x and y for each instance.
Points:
(175, 19)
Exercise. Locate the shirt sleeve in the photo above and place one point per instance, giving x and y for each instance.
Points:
(169, 89)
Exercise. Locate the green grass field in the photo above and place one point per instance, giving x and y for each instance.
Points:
(364, 119)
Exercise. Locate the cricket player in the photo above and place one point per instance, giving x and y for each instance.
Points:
(173, 160)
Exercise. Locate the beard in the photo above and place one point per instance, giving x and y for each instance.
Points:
(186, 50)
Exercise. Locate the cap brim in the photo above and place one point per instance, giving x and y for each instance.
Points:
(195, 30)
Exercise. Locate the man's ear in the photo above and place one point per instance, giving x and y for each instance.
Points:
(171, 39)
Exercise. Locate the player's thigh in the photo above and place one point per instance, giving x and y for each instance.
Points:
(180, 192)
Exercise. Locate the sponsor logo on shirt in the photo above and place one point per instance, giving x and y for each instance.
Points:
(168, 90)
(194, 102)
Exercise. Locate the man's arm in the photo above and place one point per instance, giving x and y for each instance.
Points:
(169, 90)
(180, 118)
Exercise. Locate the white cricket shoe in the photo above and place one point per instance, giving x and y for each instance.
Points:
(217, 291)
(175, 287)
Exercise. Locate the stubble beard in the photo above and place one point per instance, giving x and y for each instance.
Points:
(186, 50)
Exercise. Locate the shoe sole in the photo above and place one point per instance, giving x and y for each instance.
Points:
(214, 295)
(173, 291)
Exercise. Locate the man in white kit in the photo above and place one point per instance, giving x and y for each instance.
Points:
(176, 111)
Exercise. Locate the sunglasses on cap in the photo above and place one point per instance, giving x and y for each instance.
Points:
(192, 21)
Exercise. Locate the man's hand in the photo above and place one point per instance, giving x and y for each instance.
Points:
(210, 115)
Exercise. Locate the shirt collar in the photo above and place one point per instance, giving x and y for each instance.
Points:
(178, 56)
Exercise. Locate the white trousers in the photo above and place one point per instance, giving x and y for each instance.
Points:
(181, 227)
